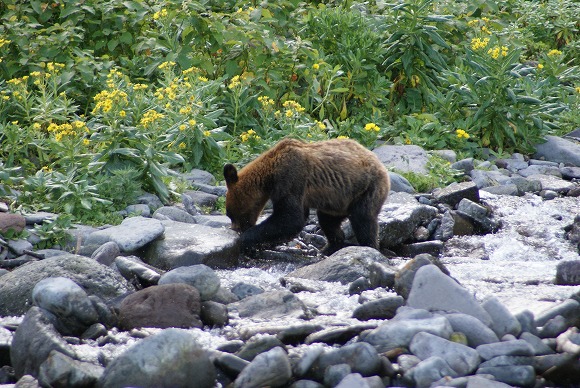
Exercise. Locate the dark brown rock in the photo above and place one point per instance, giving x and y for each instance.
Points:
(9, 221)
(163, 306)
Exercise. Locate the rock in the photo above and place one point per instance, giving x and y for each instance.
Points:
(484, 178)
(505, 348)
(63, 371)
(434, 248)
(199, 276)
(163, 306)
(478, 214)
(171, 358)
(230, 364)
(344, 266)
(404, 277)
(538, 169)
(522, 376)
(173, 213)
(476, 332)
(465, 165)
(140, 209)
(271, 368)
(220, 191)
(33, 341)
(553, 183)
(455, 192)
(397, 223)
(132, 268)
(382, 308)
(214, 314)
(243, 290)
(338, 335)
(568, 273)
(430, 370)
(570, 172)
(400, 184)
(405, 158)
(433, 290)
(462, 359)
(9, 221)
(525, 185)
(334, 374)
(381, 275)
(150, 200)
(569, 309)
(106, 253)
(296, 334)
(68, 302)
(503, 322)
(201, 199)
(199, 176)
(270, 305)
(214, 221)
(258, 344)
(190, 244)
(361, 357)
(96, 279)
(399, 332)
(132, 234)
(559, 150)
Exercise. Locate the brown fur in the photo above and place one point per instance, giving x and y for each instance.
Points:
(339, 178)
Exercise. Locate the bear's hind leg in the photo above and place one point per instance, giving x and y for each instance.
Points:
(331, 226)
(363, 220)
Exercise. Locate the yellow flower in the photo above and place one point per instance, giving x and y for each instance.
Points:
(577, 89)
(206, 133)
(182, 145)
(36, 126)
(192, 122)
(289, 113)
(415, 79)
(182, 127)
(165, 65)
(552, 53)
(540, 66)
(202, 79)
(234, 82)
(316, 66)
(342, 137)
(122, 113)
(266, 101)
(372, 127)
(477, 43)
(4, 42)
(461, 134)
(473, 22)
(86, 142)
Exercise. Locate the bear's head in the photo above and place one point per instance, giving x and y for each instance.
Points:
(243, 203)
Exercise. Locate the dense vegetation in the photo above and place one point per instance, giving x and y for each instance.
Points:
(100, 99)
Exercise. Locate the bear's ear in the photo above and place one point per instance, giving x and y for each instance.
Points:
(230, 174)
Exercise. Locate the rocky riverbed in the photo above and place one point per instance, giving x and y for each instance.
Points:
(476, 285)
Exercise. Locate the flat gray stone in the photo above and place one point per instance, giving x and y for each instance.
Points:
(190, 244)
(557, 149)
(405, 158)
(132, 234)
(433, 290)
(550, 182)
(505, 348)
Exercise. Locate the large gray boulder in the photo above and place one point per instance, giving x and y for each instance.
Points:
(132, 234)
(190, 244)
(96, 279)
(405, 158)
(557, 149)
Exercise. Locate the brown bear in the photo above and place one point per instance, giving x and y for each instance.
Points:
(339, 178)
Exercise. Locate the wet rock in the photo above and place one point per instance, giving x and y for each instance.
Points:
(485, 178)
(429, 370)
(243, 290)
(173, 213)
(258, 344)
(133, 233)
(337, 335)
(199, 276)
(297, 333)
(399, 332)
(230, 364)
(271, 368)
(163, 306)
(403, 158)
(454, 193)
(445, 228)
(405, 275)
(335, 373)
(171, 358)
(59, 370)
(68, 302)
(505, 348)
(33, 341)
(569, 309)
(568, 273)
(96, 279)
(522, 376)
(190, 244)
(361, 357)
(462, 359)
(133, 269)
(433, 290)
(503, 321)
(433, 248)
(397, 223)
(214, 314)
(10, 221)
(476, 332)
(548, 195)
(270, 305)
(557, 149)
(344, 266)
(478, 214)
(381, 275)
(570, 172)
(106, 253)
(382, 308)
